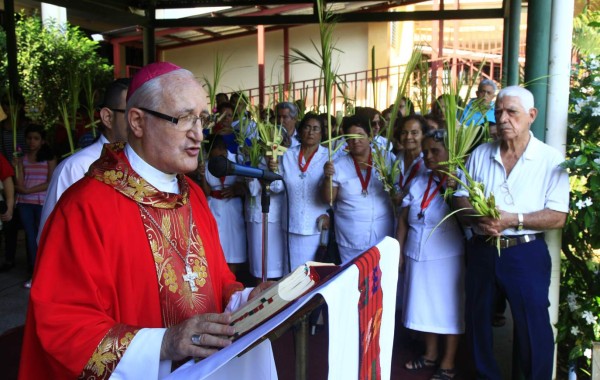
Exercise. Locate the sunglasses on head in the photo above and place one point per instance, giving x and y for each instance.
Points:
(436, 134)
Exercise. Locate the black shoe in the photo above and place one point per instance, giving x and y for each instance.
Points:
(6, 266)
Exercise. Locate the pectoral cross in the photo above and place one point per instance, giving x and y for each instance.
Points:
(190, 277)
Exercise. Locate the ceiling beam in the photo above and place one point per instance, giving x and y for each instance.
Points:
(221, 38)
(225, 3)
(340, 18)
(116, 12)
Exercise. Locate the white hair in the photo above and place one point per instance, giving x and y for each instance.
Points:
(151, 94)
(524, 95)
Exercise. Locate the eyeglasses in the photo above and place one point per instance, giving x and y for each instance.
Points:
(184, 123)
(505, 190)
(314, 128)
(436, 134)
(117, 110)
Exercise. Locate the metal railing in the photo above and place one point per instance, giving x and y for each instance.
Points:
(362, 88)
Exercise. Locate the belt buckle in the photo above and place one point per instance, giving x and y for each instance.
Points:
(505, 242)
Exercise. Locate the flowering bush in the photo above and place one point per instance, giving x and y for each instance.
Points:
(579, 308)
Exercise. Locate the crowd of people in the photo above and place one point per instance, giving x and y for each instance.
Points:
(155, 240)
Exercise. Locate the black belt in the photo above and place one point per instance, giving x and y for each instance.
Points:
(507, 241)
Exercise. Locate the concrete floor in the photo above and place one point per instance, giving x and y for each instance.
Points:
(14, 299)
(13, 296)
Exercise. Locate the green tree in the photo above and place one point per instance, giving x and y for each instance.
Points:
(53, 62)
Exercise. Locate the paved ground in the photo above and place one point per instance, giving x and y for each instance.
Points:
(13, 297)
(13, 307)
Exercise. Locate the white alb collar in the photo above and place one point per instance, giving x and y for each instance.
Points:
(162, 181)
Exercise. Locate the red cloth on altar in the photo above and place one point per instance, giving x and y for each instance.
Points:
(95, 279)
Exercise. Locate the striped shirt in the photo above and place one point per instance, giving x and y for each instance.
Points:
(35, 173)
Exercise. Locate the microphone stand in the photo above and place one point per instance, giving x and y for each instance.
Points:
(265, 202)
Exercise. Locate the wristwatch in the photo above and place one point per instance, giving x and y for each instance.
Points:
(520, 225)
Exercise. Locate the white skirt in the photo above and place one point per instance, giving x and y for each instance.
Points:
(276, 261)
(434, 295)
(303, 248)
(232, 230)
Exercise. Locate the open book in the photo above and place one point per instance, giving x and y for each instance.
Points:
(277, 297)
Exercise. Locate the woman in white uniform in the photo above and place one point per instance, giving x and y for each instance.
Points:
(301, 168)
(224, 200)
(363, 212)
(410, 131)
(432, 255)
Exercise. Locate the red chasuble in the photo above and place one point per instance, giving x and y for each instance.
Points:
(104, 270)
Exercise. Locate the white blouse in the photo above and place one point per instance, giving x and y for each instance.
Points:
(303, 189)
(428, 237)
(360, 221)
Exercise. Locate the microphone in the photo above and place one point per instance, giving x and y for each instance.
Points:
(220, 167)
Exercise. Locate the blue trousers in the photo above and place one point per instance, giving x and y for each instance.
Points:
(30, 215)
(523, 273)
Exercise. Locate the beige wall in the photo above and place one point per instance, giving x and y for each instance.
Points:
(241, 71)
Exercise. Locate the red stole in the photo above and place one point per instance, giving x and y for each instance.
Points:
(370, 309)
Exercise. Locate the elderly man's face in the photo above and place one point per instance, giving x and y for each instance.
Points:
(285, 119)
(512, 120)
(486, 93)
(166, 146)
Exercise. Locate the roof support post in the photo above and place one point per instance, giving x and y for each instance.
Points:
(561, 35)
(537, 59)
(149, 42)
(261, 65)
(286, 61)
(514, 38)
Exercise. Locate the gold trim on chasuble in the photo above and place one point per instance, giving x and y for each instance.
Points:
(107, 355)
(178, 301)
(171, 212)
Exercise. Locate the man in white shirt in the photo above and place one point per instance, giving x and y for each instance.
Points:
(532, 195)
(112, 127)
(287, 116)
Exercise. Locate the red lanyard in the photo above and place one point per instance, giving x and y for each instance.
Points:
(304, 167)
(364, 182)
(428, 197)
(411, 175)
(222, 179)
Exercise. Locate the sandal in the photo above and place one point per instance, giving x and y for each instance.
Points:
(420, 363)
(444, 374)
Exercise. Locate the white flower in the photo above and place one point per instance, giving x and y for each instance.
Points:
(597, 160)
(579, 104)
(594, 64)
(589, 317)
(584, 203)
(587, 353)
(574, 330)
(592, 56)
(572, 301)
(596, 111)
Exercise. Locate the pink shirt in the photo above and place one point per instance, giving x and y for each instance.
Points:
(35, 173)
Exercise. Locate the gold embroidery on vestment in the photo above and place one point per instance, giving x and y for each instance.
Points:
(109, 352)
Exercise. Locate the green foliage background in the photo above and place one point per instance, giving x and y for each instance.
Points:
(579, 309)
(53, 61)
